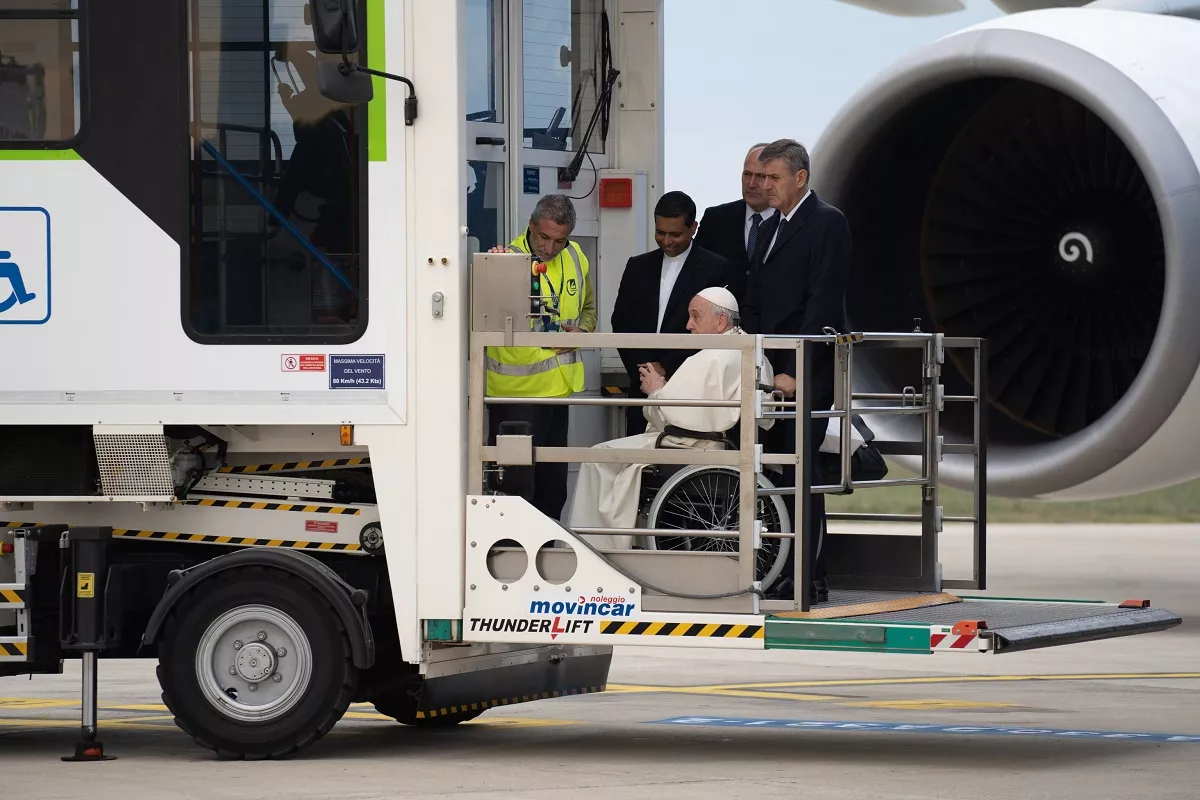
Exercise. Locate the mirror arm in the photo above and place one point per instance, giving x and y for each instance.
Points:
(570, 172)
(410, 102)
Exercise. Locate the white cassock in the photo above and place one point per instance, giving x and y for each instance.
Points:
(606, 495)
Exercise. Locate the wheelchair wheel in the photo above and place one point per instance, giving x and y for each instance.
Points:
(706, 498)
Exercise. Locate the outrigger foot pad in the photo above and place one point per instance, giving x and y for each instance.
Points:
(89, 751)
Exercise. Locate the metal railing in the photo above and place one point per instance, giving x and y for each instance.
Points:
(749, 457)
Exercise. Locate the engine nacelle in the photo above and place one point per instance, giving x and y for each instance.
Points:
(1033, 180)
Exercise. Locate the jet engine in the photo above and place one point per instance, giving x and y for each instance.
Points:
(1033, 180)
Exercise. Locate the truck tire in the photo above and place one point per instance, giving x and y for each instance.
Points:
(255, 663)
(403, 709)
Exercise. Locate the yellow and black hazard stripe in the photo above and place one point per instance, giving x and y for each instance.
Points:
(259, 505)
(237, 541)
(208, 538)
(14, 649)
(705, 630)
(292, 466)
(484, 705)
(12, 596)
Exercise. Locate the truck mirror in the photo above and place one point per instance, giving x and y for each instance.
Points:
(351, 88)
(334, 25)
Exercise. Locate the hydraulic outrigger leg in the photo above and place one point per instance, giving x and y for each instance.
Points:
(86, 592)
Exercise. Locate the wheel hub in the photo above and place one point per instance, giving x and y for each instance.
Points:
(255, 662)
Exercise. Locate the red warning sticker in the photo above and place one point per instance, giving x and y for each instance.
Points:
(303, 363)
(320, 526)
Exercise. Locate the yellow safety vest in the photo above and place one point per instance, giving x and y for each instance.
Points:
(540, 371)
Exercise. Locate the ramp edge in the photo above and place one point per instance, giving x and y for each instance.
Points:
(1085, 629)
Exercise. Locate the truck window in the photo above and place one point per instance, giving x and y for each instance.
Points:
(278, 205)
(39, 72)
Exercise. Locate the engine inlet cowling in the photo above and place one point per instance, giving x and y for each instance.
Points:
(1013, 184)
(1039, 233)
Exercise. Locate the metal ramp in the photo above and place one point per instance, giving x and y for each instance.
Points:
(530, 579)
(934, 622)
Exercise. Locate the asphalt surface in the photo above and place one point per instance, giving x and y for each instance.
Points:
(1112, 719)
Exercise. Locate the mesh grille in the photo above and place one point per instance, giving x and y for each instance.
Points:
(48, 461)
(134, 465)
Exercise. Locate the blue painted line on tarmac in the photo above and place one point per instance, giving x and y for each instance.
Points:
(908, 727)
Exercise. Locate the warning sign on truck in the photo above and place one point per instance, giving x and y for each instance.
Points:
(303, 363)
(355, 372)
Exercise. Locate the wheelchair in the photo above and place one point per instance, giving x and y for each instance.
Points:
(701, 497)
(706, 497)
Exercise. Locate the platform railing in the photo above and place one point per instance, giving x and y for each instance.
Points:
(749, 459)
(502, 310)
(931, 515)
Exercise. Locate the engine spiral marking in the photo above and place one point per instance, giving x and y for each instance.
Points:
(1069, 247)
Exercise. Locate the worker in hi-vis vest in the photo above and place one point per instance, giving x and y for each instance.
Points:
(566, 286)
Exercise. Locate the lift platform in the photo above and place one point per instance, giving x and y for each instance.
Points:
(703, 577)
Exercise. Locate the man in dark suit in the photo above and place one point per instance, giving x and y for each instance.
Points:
(656, 288)
(797, 285)
(732, 229)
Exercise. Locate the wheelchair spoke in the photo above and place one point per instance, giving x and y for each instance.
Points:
(690, 512)
(710, 500)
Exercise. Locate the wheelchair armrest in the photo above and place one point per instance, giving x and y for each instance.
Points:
(673, 430)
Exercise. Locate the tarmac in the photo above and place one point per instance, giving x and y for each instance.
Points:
(1110, 719)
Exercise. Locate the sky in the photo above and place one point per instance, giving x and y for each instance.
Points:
(773, 69)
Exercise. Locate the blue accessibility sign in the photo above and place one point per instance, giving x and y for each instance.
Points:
(24, 266)
(909, 727)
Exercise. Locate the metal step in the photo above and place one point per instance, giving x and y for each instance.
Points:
(15, 567)
(972, 624)
(12, 596)
(14, 648)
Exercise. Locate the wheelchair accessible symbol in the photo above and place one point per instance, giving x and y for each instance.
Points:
(24, 266)
(12, 273)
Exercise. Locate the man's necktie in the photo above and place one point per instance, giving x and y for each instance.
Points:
(752, 240)
(775, 238)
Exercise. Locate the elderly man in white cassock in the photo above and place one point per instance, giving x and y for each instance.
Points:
(606, 495)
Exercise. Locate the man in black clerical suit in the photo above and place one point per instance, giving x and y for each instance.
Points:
(797, 286)
(732, 229)
(656, 288)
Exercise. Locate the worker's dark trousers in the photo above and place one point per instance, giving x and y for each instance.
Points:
(549, 424)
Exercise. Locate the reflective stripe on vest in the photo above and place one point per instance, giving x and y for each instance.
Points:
(539, 371)
(525, 370)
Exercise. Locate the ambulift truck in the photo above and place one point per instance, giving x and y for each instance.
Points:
(293, 509)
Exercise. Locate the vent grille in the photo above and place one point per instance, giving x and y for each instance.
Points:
(47, 461)
(134, 465)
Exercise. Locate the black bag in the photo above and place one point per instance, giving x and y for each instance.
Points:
(866, 462)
